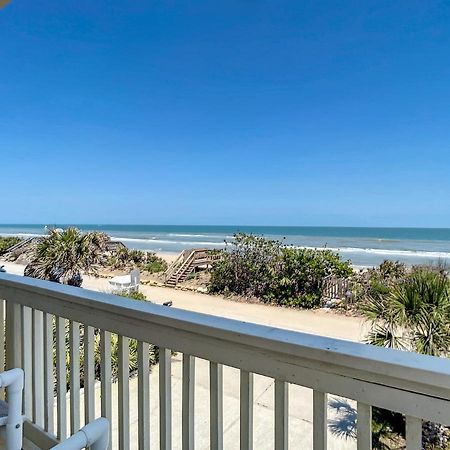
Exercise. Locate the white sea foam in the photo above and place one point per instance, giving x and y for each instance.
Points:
(165, 241)
(187, 235)
(23, 235)
(343, 250)
(387, 252)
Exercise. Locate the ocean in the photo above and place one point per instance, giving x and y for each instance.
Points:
(363, 246)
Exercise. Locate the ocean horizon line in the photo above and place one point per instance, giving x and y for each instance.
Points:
(76, 224)
(364, 246)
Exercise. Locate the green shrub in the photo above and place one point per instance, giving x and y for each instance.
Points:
(265, 269)
(156, 266)
(136, 295)
(125, 258)
(8, 242)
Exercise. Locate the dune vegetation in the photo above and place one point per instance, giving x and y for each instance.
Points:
(6, 242)
(265, 269)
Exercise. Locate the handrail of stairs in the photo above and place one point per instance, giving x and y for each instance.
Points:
(185, 261)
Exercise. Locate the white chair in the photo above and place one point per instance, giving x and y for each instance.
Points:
(126, 283)
(11, 419)
(94, 435)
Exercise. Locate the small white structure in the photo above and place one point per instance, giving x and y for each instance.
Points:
(126, 283)
(11, 419)
(94, 435)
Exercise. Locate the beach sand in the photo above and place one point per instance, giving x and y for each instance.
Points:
(320, 321)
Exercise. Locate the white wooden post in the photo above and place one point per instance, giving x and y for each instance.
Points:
(124, 393)
(246, 410)
(38, 368)
(320, 406)
(165, 399)
(281, 415)
(2, 339)
(49, 379)
(364, 427)
(216, 405)
(27, 361)
(89, 375)
(413, 433)
(74, 355)
(61, 379)
(106, 379)
(188, 402)
(143, 396)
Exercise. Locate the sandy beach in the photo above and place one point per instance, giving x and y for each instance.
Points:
(321, 321)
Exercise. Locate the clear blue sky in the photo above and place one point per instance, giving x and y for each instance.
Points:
(233, 112)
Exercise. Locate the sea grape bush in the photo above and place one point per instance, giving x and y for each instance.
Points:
(258, 267)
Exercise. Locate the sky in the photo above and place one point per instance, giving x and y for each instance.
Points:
(225, 112)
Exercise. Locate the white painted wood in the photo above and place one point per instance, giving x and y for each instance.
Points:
(281, 415)
(246, 410)
(2, 342)
(165, 399)
(74, 352)
(216, 405)
(116, 313)
(188, 402)
(320, 426)
(143, 396)
(124, 392)
(106, 376)
(38, 368)
(13, 335)
(89, 374)
(35, 435)
(2, 338)
(364, 427)
(49, 379)
(415, 385)
(27, 361)
(413, 433)
(61, 380)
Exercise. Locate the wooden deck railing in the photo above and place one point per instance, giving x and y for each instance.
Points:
(414, 385)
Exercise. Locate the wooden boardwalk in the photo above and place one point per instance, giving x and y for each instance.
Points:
(187, 262)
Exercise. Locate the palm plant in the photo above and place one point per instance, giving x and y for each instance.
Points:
(414, 315)
(63, 256)
(411, 314)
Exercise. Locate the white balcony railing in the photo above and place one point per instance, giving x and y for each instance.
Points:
(414, 385)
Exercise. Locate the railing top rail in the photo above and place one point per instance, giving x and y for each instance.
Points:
(292, 356)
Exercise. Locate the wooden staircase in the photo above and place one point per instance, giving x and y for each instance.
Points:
(187, 262)
(17, 249)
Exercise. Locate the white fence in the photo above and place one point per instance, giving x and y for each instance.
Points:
(414, 385)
